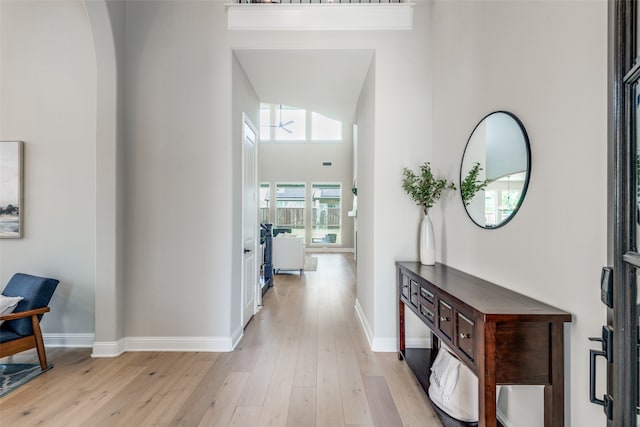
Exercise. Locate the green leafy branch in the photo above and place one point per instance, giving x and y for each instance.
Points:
(424, 188)
(470, 185)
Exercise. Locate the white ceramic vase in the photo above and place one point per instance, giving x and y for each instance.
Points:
(427, 242)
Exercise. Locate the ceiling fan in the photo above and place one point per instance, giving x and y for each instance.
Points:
(283, 125)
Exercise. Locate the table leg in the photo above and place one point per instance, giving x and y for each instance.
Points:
(554, 392)
(401, 330)
(487, 377)
(435, 347)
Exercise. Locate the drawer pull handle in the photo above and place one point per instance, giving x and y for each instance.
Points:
(414, 293)
(444, 319)
(426, 293)
(426, 312)
(464, 336)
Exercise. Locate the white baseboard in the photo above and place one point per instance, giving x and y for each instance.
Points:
(210, 344)
(387, 344)
(108, 348)
(328, 249)
(69, 340)
(236, 337)
(364, 323)
(417, 342)
(214, 344)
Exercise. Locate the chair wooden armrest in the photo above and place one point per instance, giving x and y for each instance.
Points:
(22, 314)
(22, 330)
(30, 341)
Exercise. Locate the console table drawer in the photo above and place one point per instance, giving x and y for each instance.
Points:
(405, 287)
(427, 295)
(466, 335)
(445, 314)
(427, 312)
(414, 293)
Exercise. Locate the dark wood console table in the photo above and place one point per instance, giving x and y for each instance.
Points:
(502, 336)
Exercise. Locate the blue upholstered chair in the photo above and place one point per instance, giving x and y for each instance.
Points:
(20, 330)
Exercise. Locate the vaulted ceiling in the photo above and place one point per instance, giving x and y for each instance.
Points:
(325, 81)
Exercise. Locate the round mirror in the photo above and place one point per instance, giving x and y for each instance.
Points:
(495, 169)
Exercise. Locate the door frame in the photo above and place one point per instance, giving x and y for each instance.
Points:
(257, 294)
(622, 374)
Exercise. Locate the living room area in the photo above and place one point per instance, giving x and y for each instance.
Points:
(306, 149)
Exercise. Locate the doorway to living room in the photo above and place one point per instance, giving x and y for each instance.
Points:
(306, 103)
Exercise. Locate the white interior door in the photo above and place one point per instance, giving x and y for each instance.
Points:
(249, 219)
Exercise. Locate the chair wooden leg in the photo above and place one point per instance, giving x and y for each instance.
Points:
(37, 334)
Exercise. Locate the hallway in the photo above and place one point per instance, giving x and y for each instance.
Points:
(311, 363)
(304, 361)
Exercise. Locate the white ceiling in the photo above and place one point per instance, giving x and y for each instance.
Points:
(325, 81)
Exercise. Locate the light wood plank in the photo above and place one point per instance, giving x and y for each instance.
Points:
(141, 397)
(221, 409)
(246, 416)
(302, 410)
(307, 363)
(95, 385)
(329, 410)
(194, 408)
(408, 396)
(258, 384)
(384, 411)
(276, 404)
(176, 395)
(354, 398)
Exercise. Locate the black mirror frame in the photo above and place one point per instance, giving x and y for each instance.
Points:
(527, 177)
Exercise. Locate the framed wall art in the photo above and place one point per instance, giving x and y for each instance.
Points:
(11, 205)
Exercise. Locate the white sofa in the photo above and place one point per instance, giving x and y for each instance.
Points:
(288, 253)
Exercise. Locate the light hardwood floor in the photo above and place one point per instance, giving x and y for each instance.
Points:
(303, 361)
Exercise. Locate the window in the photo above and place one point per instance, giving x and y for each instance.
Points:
(502, 197)
(490, 206)
(508, 203)
(290, 208)
(290, 124)
(263, 202)
(284, 123)
(325, 129)
(326, 213)
(265, 122)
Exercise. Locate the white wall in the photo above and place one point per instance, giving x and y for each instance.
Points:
(547, 63)
(107, 28)
(365, 119)
(179, 172)
(48, 100)
(180, 161)
(403, 121)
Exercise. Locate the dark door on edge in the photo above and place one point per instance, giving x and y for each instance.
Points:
(619, 282)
